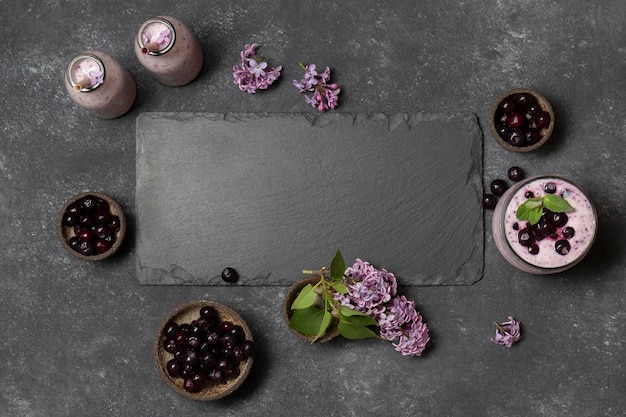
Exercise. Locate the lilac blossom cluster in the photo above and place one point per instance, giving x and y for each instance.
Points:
(507, 333)
(254, 74)
(375, 293)
(325, 95)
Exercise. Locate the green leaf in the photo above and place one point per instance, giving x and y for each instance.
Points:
(326, 320)
(347, 315)
(337, 267)
(311, 321)
(339, 286)
(556, 204)
(351, 331)
(530, 210)
(306, 298)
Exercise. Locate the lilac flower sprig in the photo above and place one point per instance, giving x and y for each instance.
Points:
(325, 95)
(507, 333)
(360, 297)
(255, 73)
(375, 293)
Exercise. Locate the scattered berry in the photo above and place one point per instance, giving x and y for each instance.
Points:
(549, 187)
(489, 201)
(515, 173)
(498, 187)
(230, 275)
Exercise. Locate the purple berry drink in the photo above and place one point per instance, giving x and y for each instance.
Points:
(169, 51)
(557, 228)
(99, 83)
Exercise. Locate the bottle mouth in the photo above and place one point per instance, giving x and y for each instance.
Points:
(156, 36)
(85, 72)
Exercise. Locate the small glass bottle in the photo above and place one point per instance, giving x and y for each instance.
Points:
(99, 83)
(169, 51)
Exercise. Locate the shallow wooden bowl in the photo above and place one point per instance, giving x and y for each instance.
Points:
(65, 233)
(545, 132)
(187, 313)
(290, 296)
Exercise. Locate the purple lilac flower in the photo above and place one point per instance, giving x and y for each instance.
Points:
(164, 37)
(369, 288)
(96, 77)
(254, 74)
(507, 333)
(415, 336)
(325, 95)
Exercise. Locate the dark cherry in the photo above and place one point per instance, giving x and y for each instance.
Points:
(549, 187)
(88, 203)
(170, 329)
(533, 110)
(525, 99)
(232, 373)
(562, 247)
(102, 217)
(507, 105)
(74, 243)
(568, 232)
(199, 379)
(542, 120)
(489, 201)
(559, 219)
(86, 248)
(85, 234)
(225, 327)
(173, 368)
(529, 194)
(515, 120)
(498, 187)
(230, 275)
(249, 348)
(516, 138)
(114, 223)
(531, 136)
(533, 249)
(208, 312)
(189, 385)
(101, 246)
(525, 237)
(169, 345)
(216, 375)
(515, 173)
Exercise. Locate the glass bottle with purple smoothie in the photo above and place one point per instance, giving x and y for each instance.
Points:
(169, 51)
(99, 83)
(544, 225)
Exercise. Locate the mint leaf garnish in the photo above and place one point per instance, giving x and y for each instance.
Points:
(532, 208)
(556, 204)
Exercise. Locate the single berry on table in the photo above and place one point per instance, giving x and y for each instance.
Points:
(498, 187)
(229, 275)
(515, 173)
(489, 201)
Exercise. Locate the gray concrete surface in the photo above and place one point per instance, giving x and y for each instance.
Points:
(77, 337)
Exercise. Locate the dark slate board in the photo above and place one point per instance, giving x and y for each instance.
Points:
(271, 194)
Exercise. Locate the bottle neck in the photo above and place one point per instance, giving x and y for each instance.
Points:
(156, 36)
(85, 72)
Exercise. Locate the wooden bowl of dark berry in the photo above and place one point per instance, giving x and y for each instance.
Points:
(91, 226)
(521, 120)
(204, 350)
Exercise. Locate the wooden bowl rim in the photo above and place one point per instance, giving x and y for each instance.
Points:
(65, 232)
(546, 132)
(290, 296)
(185, 313)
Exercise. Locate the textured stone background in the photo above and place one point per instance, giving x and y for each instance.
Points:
(76, 337)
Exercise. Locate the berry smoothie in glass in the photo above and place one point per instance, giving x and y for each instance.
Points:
(169, 51)
(544, 225)
(99, 83)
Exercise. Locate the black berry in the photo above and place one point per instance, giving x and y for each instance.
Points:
(489, 201)
(515, 173)
(498, 187)
(230, 275)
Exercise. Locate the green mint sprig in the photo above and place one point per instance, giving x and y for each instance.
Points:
(532, 208)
